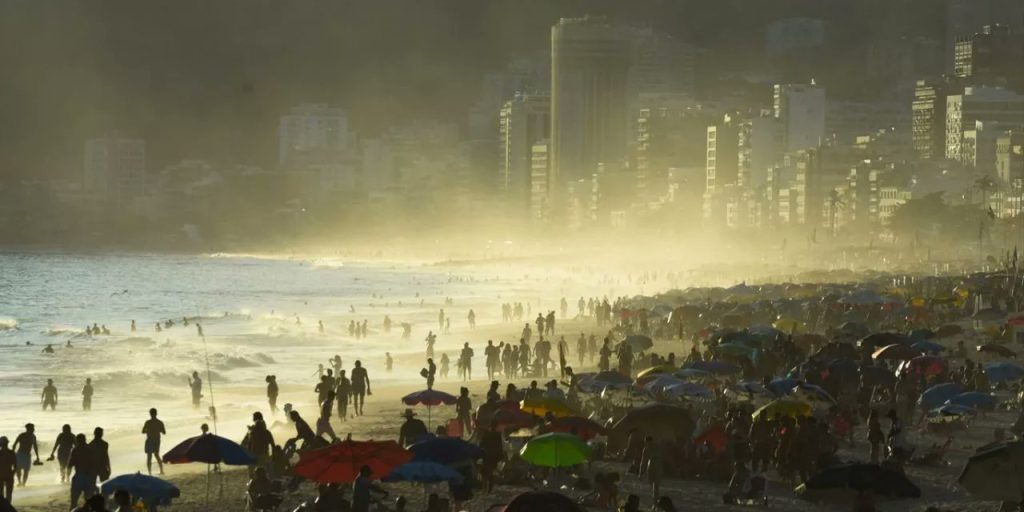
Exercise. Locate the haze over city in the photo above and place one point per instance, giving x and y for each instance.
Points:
(511, 255)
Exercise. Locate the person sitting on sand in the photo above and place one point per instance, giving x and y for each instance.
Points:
(302, 433)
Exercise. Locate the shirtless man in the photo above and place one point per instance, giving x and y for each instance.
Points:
(153, 428)
(360, 387)
(49, 395)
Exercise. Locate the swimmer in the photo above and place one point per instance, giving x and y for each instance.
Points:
(48, 349)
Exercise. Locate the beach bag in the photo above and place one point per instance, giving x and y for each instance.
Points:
(454, 428)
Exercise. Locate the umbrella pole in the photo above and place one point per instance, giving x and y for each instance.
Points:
(428, 418)
(207, 487)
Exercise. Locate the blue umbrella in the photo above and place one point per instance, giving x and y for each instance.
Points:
(144, 487)
(424, 473)
(693, 374)
(929, 347)
(716, 367)
(445, 450)
(783, 386)
(689, 389)
(210, 449)
(974, 400)
(937, 395)
(1004, 371)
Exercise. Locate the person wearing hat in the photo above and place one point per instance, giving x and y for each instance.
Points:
(8, 465)
(411, 430)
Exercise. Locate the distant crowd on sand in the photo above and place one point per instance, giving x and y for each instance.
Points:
(838, 391)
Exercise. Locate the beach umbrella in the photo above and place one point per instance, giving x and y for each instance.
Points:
(555, 450)
(660, 382)
(445, 450)
(639, 342)
(423, 473)
(339, 463)
(689, 389)
(147, 488)
(812, 393)
(881, 339)
(662, 421)
(584, 428)
(807, 340)
(612, 378)
(841, 484)
(715, 436)
(541, 405)
(996, 474)
(938, 394)
(510, 419)
(655, 370)
(974, 400)
(791, 408)
(690, 373)
(997, 349)
(750, 390)
(542, 501)
(922, 334)
(896, 352)
(928, 347)
(1003, 372)
(854, 329)
(429, 398)
(715, 367)
(950, 413)
(783, 386)
(209, 449)
(926, 365)
(734, 349)
(788, 325)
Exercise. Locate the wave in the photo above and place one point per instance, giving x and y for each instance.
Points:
(230, 362)
(132, 378)
(63, 331)
(8, 324)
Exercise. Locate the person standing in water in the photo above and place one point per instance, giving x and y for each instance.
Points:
(62, 450)
(388, 362)
(87, 395)
(445, 363)
(272, 392)
(430, 339)
(197, 389)
(440, 320)
(24, 445)
(360, 387)
(49, 396)
(153, 428)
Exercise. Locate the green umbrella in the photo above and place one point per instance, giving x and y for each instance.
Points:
(555, 450)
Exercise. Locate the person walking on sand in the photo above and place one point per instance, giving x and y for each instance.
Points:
(8, 467)
(101, 452)
(360, 387)
(196, 384)
(471, 317)
(466, 362)
(445, 363)
(24, 445)
(272, 392)
(440, 320)
(49, 396)
(342, 393)
(464, 411)
(388, 362)
(82, 461)
(62, 450)
(431, 339)
(323, 423)
(87, 395)
(153, 429)
(430, 372)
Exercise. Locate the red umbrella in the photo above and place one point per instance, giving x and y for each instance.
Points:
(584, 428)
(715, 436)
(340, 463)
(429, 398)
(508, 419)
(927, 365)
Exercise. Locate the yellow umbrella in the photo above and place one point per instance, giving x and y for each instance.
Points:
(784, 407)
(787, 325)
(545, 404)
(661, 368)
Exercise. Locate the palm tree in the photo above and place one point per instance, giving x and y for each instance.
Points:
(986, 185)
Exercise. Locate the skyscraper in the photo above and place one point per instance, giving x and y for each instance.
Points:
(313, 134)
(801, 110)
(928, 121)
(589, 125)
(990, 56)
(115, 167)
(978, 104)
(523, 121)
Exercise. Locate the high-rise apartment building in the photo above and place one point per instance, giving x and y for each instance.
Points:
(115, 167)
(1010, 157)
(991, 56)
(313, 134)
(589, 125)
(523, 122)
(982, 103)
(801, 110)
(721, 154)
(928, 116)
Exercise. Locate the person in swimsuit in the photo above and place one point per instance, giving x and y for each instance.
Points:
(153, 428)
(62, 449)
